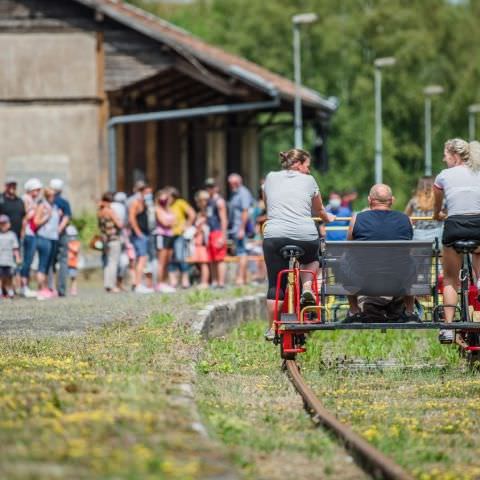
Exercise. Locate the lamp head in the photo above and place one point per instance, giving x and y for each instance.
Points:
(304, 18)
(433, 90)
(385, 62)
(475, 108)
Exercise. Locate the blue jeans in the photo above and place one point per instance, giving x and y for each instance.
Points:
(140, 244)
(45, 249)
(179, 254)
(61, 256)
(29, 248)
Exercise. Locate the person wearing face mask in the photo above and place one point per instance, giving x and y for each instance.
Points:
(164, 238)
(335, 208)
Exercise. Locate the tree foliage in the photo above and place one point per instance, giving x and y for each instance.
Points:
(434, 42)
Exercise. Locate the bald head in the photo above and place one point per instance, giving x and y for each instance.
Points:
(380, 196)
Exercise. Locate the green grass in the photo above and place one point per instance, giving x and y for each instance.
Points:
(407, 394)
(249, 404)
(98, 406)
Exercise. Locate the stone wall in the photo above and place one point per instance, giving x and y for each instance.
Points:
(50, 111)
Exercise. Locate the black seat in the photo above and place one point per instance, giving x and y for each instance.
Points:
(466, 246)
(289, 251)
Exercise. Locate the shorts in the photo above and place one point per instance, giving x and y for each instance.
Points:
(461, 227)
(216, 254)
(240, 246)
(6, 272)
(72, 272)
(140, 244)
(163, 242)
(379, 309)
(275, 262)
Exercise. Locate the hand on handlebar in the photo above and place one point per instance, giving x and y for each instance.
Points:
(331, 217)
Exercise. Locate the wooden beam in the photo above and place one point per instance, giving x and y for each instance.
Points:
(211, 80)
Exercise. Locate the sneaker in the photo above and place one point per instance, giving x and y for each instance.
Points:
(357, 317)
(445, 336)
(28, 293)
(10, 294)
(269, 334)
(45, 294)
(143, 289)
(164, 288)
(307, 298)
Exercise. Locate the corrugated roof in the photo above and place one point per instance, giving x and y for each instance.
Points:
(198, 50)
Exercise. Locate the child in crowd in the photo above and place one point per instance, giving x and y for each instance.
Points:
(9, 255)
(73, 254)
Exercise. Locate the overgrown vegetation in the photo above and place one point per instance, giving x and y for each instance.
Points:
(434, 42)
(408, 395)
(98, 406)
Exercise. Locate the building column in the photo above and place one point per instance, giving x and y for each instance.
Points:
(151, 154)
(216, 156)
(250, 158)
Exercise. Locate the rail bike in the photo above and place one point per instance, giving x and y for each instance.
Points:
(375, 269)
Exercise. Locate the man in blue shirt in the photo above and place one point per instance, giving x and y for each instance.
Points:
(238, 218)
(381, 223)
(62, 245)
(335, 208)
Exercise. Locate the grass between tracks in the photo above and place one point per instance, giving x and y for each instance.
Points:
(404, 392)
(247, 401)
(108, 404)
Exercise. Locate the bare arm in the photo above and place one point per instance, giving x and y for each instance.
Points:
(63, 223)
(222, 212)
(437, 204)
(350, 227)
(318, 210)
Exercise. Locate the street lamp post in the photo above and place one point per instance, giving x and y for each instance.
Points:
(379, 64)
(298, 20)
(472, 110)
(429, 92)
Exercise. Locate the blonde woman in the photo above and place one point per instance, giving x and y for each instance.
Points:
(459, 186)
(421, 205)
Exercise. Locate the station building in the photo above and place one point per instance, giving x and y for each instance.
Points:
(177, 109)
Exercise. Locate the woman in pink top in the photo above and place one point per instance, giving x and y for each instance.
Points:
(164, 237)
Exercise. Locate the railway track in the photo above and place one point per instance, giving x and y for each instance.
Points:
(372, 461)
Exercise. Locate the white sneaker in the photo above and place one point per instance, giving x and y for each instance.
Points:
(28, 293)
(143, 289)
(269, 335)
(445, 336)
(164, 288)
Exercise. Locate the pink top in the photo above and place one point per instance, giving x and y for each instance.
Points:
(164, 230)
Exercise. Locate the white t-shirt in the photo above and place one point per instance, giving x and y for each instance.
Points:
(461, 188)
(289, 197)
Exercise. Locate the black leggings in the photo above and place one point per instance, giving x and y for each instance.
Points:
(275, 262)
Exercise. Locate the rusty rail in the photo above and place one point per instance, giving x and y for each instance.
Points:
(366, 456)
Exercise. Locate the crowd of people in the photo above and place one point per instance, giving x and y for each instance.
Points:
(37, 227)
(156, 241)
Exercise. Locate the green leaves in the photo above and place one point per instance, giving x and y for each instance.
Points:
(434, 42)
